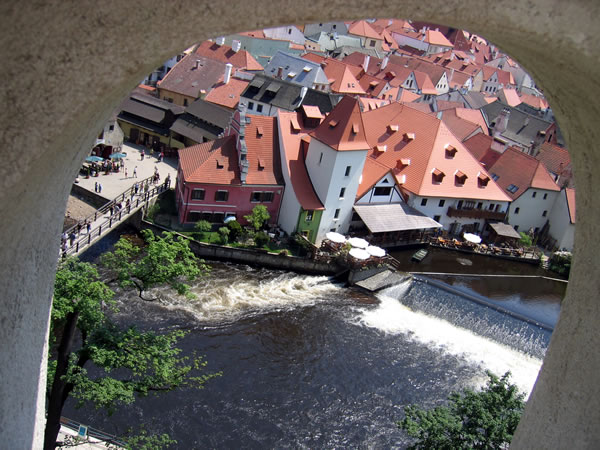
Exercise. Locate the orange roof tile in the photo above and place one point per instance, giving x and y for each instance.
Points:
(362, 28)
(368, 104)
(341, 78)
(227, 95)
(214, 162)
(443, 105)
(536, 102)
(312, 112)
(263, 148)
(511, 96)
(424, 83)
(342, 129)
(555, 158)
(461, 128)
(408, 96)
(224, 53)
(314, 58)
(294, 159)
(570, 193)
(255, 34)
(474, 116)
(427, 152)
(436, 38)
(373, 171)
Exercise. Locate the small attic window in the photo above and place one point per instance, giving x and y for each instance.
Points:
(482, 180)
(450, 151)
(402, 163)
(459, 177)
(373, 83)
(495, 176)
(512, 188)
(409, 137)
(307, 69)
(437, 175)
(381, 148)
(333, 123)
(355, 128)
(219, 164)
(392, 128)
(295, 125)
(259, 131)
(261, 165)
(291, 74)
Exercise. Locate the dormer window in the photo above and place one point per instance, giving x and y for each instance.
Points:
(450, 151)
(408, 137)
(261, 165)
(295, 124)
(402, 163)
(219, 165)
(459, 177)
(381, 148)
(333, 123)
(437, 175)
(355, 128)
(259, 131)
(482, 180)
(392, 128)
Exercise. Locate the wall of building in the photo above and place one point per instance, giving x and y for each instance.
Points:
(531, 209)
(95, 54)
(561, 228)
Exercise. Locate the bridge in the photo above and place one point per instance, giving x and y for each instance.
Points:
(111, 215)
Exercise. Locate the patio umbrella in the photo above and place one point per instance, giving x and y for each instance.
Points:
(229, 219)
(474, 238)
(359, 253)
(358, 242)
(335, 237)
(373, 250)
(94, 159)
(118, 155)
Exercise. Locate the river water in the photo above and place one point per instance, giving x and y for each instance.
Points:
(308, 363)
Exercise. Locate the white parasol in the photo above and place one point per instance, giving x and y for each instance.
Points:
(474, 238)
(335, 237)
(373, 250)
(358, 242)
(359, 253)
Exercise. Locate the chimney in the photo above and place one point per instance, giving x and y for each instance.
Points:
(366, 62)
(220, 40)
(502, 121)
(384, 63)
(198, 64)
(236, 45)
(227, 75)
(280, 73)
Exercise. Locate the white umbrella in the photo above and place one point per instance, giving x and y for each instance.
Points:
(335, 237)
(229, 219)
(474, 238)
(373, 250)
(359, 253)
(358, 242)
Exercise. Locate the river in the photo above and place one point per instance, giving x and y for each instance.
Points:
(308, 363)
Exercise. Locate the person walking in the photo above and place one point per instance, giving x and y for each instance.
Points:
(135, 172)
(125, 172)
(99, 188)
(72, 238)
(96, 187)
(88, 227)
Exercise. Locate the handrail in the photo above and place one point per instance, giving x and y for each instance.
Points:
(92, 432)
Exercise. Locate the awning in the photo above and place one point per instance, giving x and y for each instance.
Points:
(504, 229)
(394, 217)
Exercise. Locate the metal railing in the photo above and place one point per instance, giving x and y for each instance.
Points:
(146, 191)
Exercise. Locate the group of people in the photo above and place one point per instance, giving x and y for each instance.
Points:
(68, 239)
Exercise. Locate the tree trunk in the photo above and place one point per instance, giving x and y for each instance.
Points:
(60, 388)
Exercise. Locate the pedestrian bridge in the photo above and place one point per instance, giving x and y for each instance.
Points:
(111, 215)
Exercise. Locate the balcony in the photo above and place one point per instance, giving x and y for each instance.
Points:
(476, 214)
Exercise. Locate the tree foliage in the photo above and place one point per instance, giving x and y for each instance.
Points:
(525, 240)
(235, 230)
(472, 420)
(259, 216)
(261, 239)
(163, 260)
(127, 362)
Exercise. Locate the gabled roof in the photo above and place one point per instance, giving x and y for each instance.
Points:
(343, 127)
(408, 96)
(473, 116)
(296, 70)
(367, 103)
(556, 159)
(262, 142)
(341, 78)
(509, 96)
(423, 139)
(225, 54)
(191, 75)
(523, 171)
(227, 95)
(214, 162)
(362, 28)
(534, 101)
(424, 83)
(373, 172)
(434, 37)
(294, 159)
(504, 77)
(461, 128)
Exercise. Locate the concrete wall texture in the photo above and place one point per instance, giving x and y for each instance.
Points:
(67, 64)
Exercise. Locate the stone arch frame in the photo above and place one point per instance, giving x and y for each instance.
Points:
(67, 64)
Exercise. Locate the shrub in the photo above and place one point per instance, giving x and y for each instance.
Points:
(560, 262)
(203, 226)
(235, 230)
(224, 235)
(259, 216)
(260, 239)
(525, 240)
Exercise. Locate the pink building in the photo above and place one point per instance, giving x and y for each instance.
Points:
(231, 175)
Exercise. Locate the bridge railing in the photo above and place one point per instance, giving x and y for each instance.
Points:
(146, 191)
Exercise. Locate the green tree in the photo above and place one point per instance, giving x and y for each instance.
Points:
(224, 235)
(162, 260)
(235, 230)
(203, 227)
(261, 239)
(525, 240)
(258, 217)
(128, 362)
(472, 420)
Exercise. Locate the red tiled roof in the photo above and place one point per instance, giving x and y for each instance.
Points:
(294, 159)
(341, 78)
(460, 127)
(227, 95)
(263, 150)
(421, 106)
(373, 171)
(214, 162)
(255, 34)
(408, 96)
(314, 58)
(362, 28)
(343, 129)
(511, 96)
(424, 83)
(555, 158)
(368, 104)
(570, 193)
(504, 77)
(436, 38)
(224, 53)
(479, 145)
(312, 112)
(521, 170)
(427, 151)
(192, 75)
(474, 116)
(536, 102)
(443, 105)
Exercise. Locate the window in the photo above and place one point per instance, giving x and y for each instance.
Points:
(320, 158)
(437, 218)
(385, 190)
(491, 208)
(544, 213)
(221, 196)
(289, 31)
(259, 108)
(267, 197)
(534, 194)
(264, 197)
(442, 203)
(517, 210)
(198, 194)
(545, 196)
(348, 169)
(342, 192)
(516, 227)
(512, 189)
(372, 43)
(424, 202)
(185, 102)
(479, 205)
(337, 214)
(309, 216)
(255, 197)
(111, 128)
(494, 176)
(250, 106)
(218, 217)
(194, 216)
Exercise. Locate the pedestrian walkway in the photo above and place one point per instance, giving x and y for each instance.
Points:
(76, 240)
